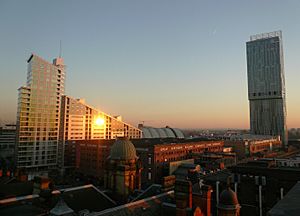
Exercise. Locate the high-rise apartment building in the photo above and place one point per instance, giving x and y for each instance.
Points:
(80, 121)
(266, 85)
(38, 115)
(46, 118)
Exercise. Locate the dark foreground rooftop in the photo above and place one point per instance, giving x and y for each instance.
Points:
(146, 207)
(289, 205)
(82, 198)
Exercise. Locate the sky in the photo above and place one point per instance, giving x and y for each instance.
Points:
(175, 63)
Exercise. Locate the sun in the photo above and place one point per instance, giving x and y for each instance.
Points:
(99, 121)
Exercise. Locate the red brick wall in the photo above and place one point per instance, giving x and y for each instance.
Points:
(90, 155)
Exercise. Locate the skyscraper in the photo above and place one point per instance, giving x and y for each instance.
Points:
(266, 85)
(38, 114)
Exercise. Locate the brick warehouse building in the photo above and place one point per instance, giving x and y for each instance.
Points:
(250, 145)
(156, 154)
(89, 156)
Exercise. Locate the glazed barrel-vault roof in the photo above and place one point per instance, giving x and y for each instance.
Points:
(123, 149)
(167, 132)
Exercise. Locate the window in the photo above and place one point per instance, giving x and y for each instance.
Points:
(149, 175)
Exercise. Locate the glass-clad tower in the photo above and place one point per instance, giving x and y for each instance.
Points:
(266, 85)
(38, 114)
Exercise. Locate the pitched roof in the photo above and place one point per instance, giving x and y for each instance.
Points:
(289, 205)
(76, 198)
(147, 207)
(87, 197)
(61, 208)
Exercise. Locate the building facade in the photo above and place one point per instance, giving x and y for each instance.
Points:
(157, 154)
(87, 156)
(7, 146)
(288, 162)
(38, 114)
(249, 145)
(266, 85)
(260, 184)
(80, 121)
(123, 169)
(46, 118)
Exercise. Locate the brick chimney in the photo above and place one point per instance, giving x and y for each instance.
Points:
(183, 197)
(202, 199)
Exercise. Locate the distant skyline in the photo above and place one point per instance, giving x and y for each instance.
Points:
(176, 63)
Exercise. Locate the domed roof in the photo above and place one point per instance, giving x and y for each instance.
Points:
(123, 149)
(228, 199)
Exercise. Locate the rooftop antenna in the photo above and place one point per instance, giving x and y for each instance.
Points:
(59, 48)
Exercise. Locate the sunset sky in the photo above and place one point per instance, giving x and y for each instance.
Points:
(176, 63)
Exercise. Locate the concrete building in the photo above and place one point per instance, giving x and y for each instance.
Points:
(266, 85)
(46, 119)
(38, 114)
(7, 146)
(80, 121)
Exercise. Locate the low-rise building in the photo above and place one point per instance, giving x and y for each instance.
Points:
(157, 154)
(89, 156)
(213, 161)
(260, 184)
(7, 146)
(249, 145)
(293, 161)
